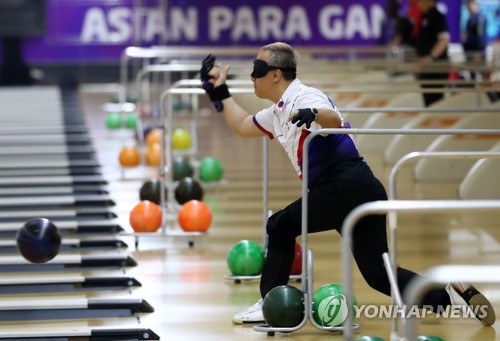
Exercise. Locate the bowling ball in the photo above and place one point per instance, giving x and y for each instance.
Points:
(187, 190)
(146, 217)
(113, 120)
(297, 261)
(246, 258)
(181, 139)
(330, 305)
(182, 168)
(283, 306)
(429, 338)
(150, 190)
(129, 156)
(38, 240)
(211, 169)
(177, 104)
(153, 137)
(195, 216)
(131, 120)
(153, 155)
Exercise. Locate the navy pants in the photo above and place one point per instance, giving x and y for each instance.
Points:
(432, 97)
(351, 184)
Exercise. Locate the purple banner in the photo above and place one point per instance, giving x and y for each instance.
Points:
(97, 31)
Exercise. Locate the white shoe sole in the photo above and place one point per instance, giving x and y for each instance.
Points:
(247, 322)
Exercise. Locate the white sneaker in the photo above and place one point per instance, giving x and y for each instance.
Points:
(250, 315)
(477, 303)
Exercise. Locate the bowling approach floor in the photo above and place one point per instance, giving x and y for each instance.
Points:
(186, 285)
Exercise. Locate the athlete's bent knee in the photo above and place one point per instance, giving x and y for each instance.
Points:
(281, 232)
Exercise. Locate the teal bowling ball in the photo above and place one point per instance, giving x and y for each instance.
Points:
(370, 338)
(132, 99)
(246, 258)
(177, 104)
(129, 99)
(38, 240)
(283, 306)
(429, 338)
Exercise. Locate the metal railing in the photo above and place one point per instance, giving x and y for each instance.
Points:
(411, 206)
(392, 191)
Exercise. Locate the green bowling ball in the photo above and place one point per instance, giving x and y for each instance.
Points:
(211, 169)
(283, 306)
(330, 305)
(182, 168)
(113, 120)
(246, 258)
(131, 121)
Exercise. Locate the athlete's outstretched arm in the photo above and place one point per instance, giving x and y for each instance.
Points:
(240, 121)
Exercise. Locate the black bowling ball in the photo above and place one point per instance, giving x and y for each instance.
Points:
(38, 240)
(150, 190)
(187, 190)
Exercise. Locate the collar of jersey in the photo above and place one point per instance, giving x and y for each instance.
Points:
(290, 90)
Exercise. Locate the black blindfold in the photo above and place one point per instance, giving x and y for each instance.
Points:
(261, 68)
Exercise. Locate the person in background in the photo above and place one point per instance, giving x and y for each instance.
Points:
(475, 42)
(415, 15)
(400, 27)
(432, 47)
(475, 39)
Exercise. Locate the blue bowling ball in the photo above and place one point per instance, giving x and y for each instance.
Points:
(38, 240)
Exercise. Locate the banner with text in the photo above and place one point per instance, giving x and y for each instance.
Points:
(98, 31)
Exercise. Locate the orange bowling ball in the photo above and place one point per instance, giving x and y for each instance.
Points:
(146, 217)
(153, 155)
(195, 216)
(129, 156)
(153, 137)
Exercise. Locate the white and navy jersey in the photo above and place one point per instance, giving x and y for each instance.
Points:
(324, 151)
